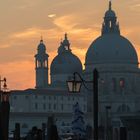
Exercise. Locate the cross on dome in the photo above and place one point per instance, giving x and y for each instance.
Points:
(41, 40)
(66, 41)
(110, 5)
(66, 36)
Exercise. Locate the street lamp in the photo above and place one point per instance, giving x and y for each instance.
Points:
(2, 80)
(4, 112)
(74, 86)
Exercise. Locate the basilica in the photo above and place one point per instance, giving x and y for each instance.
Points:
(116, 60)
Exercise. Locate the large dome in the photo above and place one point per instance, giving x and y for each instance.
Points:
(66, 63)
(111, 48)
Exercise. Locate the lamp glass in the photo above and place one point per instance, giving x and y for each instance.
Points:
(70, 86)
(74, 86)
(78, 86)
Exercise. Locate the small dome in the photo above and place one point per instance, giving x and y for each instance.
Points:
(41, 47)
(110, 13)
(41, 51)
(66, 63)
(111, 48)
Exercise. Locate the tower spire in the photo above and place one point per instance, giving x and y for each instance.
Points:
(66, 36)
(110, 5)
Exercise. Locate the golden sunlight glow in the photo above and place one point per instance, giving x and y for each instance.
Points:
(25, 21)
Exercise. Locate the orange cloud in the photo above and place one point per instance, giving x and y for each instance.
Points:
(65, 23)
(52, 15)
(27, 33)
(23, 22)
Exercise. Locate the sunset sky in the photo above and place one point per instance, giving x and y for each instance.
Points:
(22, 22)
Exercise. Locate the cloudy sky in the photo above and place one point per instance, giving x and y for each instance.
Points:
(22, 22)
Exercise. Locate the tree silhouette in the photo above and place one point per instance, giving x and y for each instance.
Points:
(78, 124)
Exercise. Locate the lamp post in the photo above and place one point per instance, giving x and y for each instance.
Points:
(4, 113)
(4, 81)
(74, 86)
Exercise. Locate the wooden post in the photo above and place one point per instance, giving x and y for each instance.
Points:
(95, 103)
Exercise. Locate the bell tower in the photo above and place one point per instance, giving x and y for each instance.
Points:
(41, 66)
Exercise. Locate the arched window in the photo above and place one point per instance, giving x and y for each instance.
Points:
(114, 84)
(122, 82)
(44, 106)
(122, 85)
(66, 48)
(62, 106)
(110, 24)
(36, 106)
(102, 85)
(54, 106)
(38, 64)
(49, 106)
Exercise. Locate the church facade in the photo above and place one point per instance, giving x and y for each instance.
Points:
(116, 60)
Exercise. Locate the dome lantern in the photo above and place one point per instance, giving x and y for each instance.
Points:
(66, 42)
(41, 47)
(64, 45)
(110, 24)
